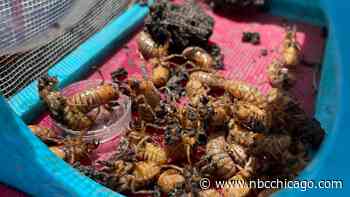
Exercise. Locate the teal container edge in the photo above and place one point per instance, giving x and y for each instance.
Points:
(301, 10)
(332, 161)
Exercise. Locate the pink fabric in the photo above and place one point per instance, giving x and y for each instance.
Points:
(243, 61)
(10, 192)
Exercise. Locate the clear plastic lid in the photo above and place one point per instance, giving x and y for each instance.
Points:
(109, 124)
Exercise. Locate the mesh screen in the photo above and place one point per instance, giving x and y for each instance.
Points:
(20, 69)
(23, 20)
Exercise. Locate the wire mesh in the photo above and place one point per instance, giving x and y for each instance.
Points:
(20, 69)
(23, 21)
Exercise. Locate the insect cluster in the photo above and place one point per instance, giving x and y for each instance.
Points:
(189, 122)
(226, 129)
(70, 149)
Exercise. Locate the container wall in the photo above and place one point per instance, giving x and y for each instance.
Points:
(304, 10)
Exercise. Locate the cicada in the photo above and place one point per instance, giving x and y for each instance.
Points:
(60, 110)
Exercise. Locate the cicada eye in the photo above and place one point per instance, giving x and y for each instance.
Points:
(204, 99)
(202, 138)
(134, 84)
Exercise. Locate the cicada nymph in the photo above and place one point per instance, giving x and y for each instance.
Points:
(60, 110)
(281, 76)
(291, 48)
(245, 92)
(217, 161)
(199, 57)
(47, 135)
(89, 99)
(74, 149)
(252, 117)
(170, 181)
(149, 48)
(151, 152)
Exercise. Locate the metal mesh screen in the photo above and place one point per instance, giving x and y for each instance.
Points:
(23, 20)
(18, 70)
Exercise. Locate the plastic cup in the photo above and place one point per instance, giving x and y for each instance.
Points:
(109, 124)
